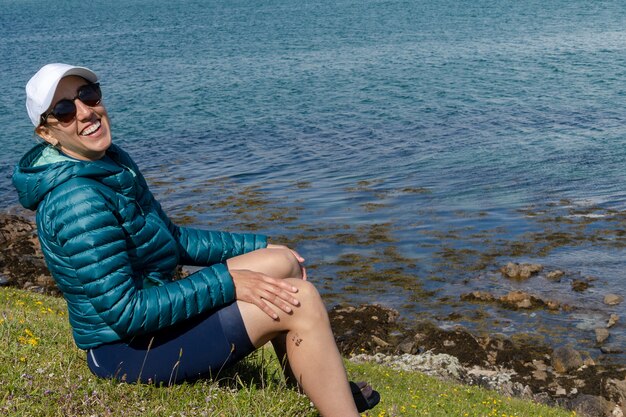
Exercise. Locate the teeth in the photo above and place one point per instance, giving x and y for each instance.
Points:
(91, 128)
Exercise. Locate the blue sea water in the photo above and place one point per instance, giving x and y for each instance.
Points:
(442, 121)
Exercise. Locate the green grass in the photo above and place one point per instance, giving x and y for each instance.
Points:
(42, 373)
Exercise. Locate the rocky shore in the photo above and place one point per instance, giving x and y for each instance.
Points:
(518, 367)
(21, 262)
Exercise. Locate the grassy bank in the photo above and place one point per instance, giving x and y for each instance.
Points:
(42, 373)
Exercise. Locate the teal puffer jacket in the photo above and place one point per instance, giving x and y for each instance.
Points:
(112, 250)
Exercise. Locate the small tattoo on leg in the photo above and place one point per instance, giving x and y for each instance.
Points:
(296, 339)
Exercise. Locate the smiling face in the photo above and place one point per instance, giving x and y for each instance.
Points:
(87, 136)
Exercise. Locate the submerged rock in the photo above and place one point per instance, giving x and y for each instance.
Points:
(555, 275)
(520, 299)
(579, 285)
(612, 349)
(478, 296)
(601, 335)
(520, 271)
(514, 300)
(613, 299)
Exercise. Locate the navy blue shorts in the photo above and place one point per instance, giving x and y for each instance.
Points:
(197, 348)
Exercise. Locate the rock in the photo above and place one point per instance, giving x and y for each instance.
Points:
(555, 275)
(441, 365)
(540, 365)
(4, 280)
(347, 309)
(520, 366)
(601, 335)
(408, 346)
(616, 390)
(449, 343)
(515, 297)
(539, 373)
(21, 258)
(491, 379)
(515, 300)
(45, 281)
(356, 331)
(520, 299)
(613, 299)
(380, 342)
(591, 406)
(520, 271)
(478, 296)
(613, 319)
(612, 349)
(588, 361)
(580, 285)
(565, 359)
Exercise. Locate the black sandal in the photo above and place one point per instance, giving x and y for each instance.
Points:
(365, 397)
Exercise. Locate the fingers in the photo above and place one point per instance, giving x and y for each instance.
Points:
(303, 273)
(265, 308)
(264, 302)
(297, 255)
(264, 292)
(278, 289)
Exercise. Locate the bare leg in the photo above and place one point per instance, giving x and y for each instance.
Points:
(305, 336)
(280, 347)
(311, 349)
(277, 263)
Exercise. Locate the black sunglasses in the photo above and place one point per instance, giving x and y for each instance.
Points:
(65, 110)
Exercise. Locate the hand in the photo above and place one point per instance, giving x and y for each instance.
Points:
(260, 289)
(299, 258)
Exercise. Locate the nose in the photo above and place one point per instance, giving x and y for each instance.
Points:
(83, 111)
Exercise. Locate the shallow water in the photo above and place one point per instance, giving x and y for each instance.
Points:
(407, 149)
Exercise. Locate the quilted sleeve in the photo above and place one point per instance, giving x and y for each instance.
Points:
(206, 247)
(203, 247)
(92, 251)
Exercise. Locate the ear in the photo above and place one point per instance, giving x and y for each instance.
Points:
(44, 133)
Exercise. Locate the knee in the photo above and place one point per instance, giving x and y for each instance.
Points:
(284, 263)
(311, 303)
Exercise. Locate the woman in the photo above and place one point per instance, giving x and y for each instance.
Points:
(113, 251)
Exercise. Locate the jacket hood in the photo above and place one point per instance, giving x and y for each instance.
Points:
(34, 181)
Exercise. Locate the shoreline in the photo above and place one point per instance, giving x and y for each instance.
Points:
(520, 367)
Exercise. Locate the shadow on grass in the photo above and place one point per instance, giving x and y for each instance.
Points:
(259, 370)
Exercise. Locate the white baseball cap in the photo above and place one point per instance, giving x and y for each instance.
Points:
(41, 87)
